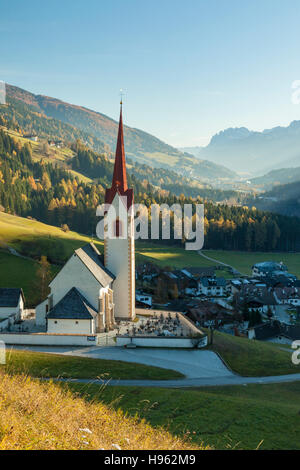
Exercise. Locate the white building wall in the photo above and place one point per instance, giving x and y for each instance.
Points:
(40, 313)
(119, 256)
(75, 274)
(80, 327)
(45, 339)
(160, 342)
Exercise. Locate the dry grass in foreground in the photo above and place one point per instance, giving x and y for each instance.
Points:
(38, 415)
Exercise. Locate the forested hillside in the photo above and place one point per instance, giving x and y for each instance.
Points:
(49, 117)
(282, 199)
(53, 195)
(26, 119)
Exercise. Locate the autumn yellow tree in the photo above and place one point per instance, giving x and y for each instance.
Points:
(43, 277)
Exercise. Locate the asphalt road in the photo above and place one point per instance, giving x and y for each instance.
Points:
(195, 382)
(201, 368)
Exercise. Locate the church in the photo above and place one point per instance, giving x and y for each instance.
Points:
(91, 292)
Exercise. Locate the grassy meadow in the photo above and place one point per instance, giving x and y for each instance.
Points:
(241, 260)
(48, 240)
(20, 272)
(37, 364)
(38, 415)
(251, 358)
(15, 230)
(231, 417)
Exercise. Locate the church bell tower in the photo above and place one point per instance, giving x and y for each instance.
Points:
(119, 248)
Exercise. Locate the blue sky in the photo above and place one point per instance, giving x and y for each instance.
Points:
(188, 68)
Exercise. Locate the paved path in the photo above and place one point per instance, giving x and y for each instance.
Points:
(218, 262)
(191, 363)
(201, 368)
(193, 383)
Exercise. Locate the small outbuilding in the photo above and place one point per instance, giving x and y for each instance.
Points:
(11, 303)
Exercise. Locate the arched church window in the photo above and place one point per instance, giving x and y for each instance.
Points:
(118, 228)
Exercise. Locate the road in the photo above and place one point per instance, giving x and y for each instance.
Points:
(218, 262)
(201, 368)
(193, 383)
(191, 363)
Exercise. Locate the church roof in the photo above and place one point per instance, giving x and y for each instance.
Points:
(9, 297)
(119, 182)
(91, 258)
(72, 306)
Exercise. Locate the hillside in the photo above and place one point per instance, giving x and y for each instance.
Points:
(227, 418)
(33, 187)
(51, 117)
(42, 416)
(277, 177)
(281, 199)
(253, 152)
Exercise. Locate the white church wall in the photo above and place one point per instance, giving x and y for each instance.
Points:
(45, 339)
(40, 313)
(75, 274)
(160, 342)
(72, 326)
(119, 259)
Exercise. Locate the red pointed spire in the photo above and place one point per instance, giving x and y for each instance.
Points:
(120, 178)
(119, 182)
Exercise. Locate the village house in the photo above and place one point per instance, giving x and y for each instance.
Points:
(287, 296)
(207, 313)
(11, 306)
(256, 298)
(212, 286)
(142, 299)
(266, 268)
(32, 137)
(276, 332)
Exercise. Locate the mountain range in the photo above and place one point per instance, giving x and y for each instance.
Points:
(50, 117)
(253, 153)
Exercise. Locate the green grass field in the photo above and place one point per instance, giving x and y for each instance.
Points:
(19, 272)
(241, 260)
(14, 230)
(38, 364)
(241, 417)
(253, 358)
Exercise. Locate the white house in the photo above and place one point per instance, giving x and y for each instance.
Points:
(90, 292)
(143, 298)
(11, 303)
(212, 286)
(266, 268)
